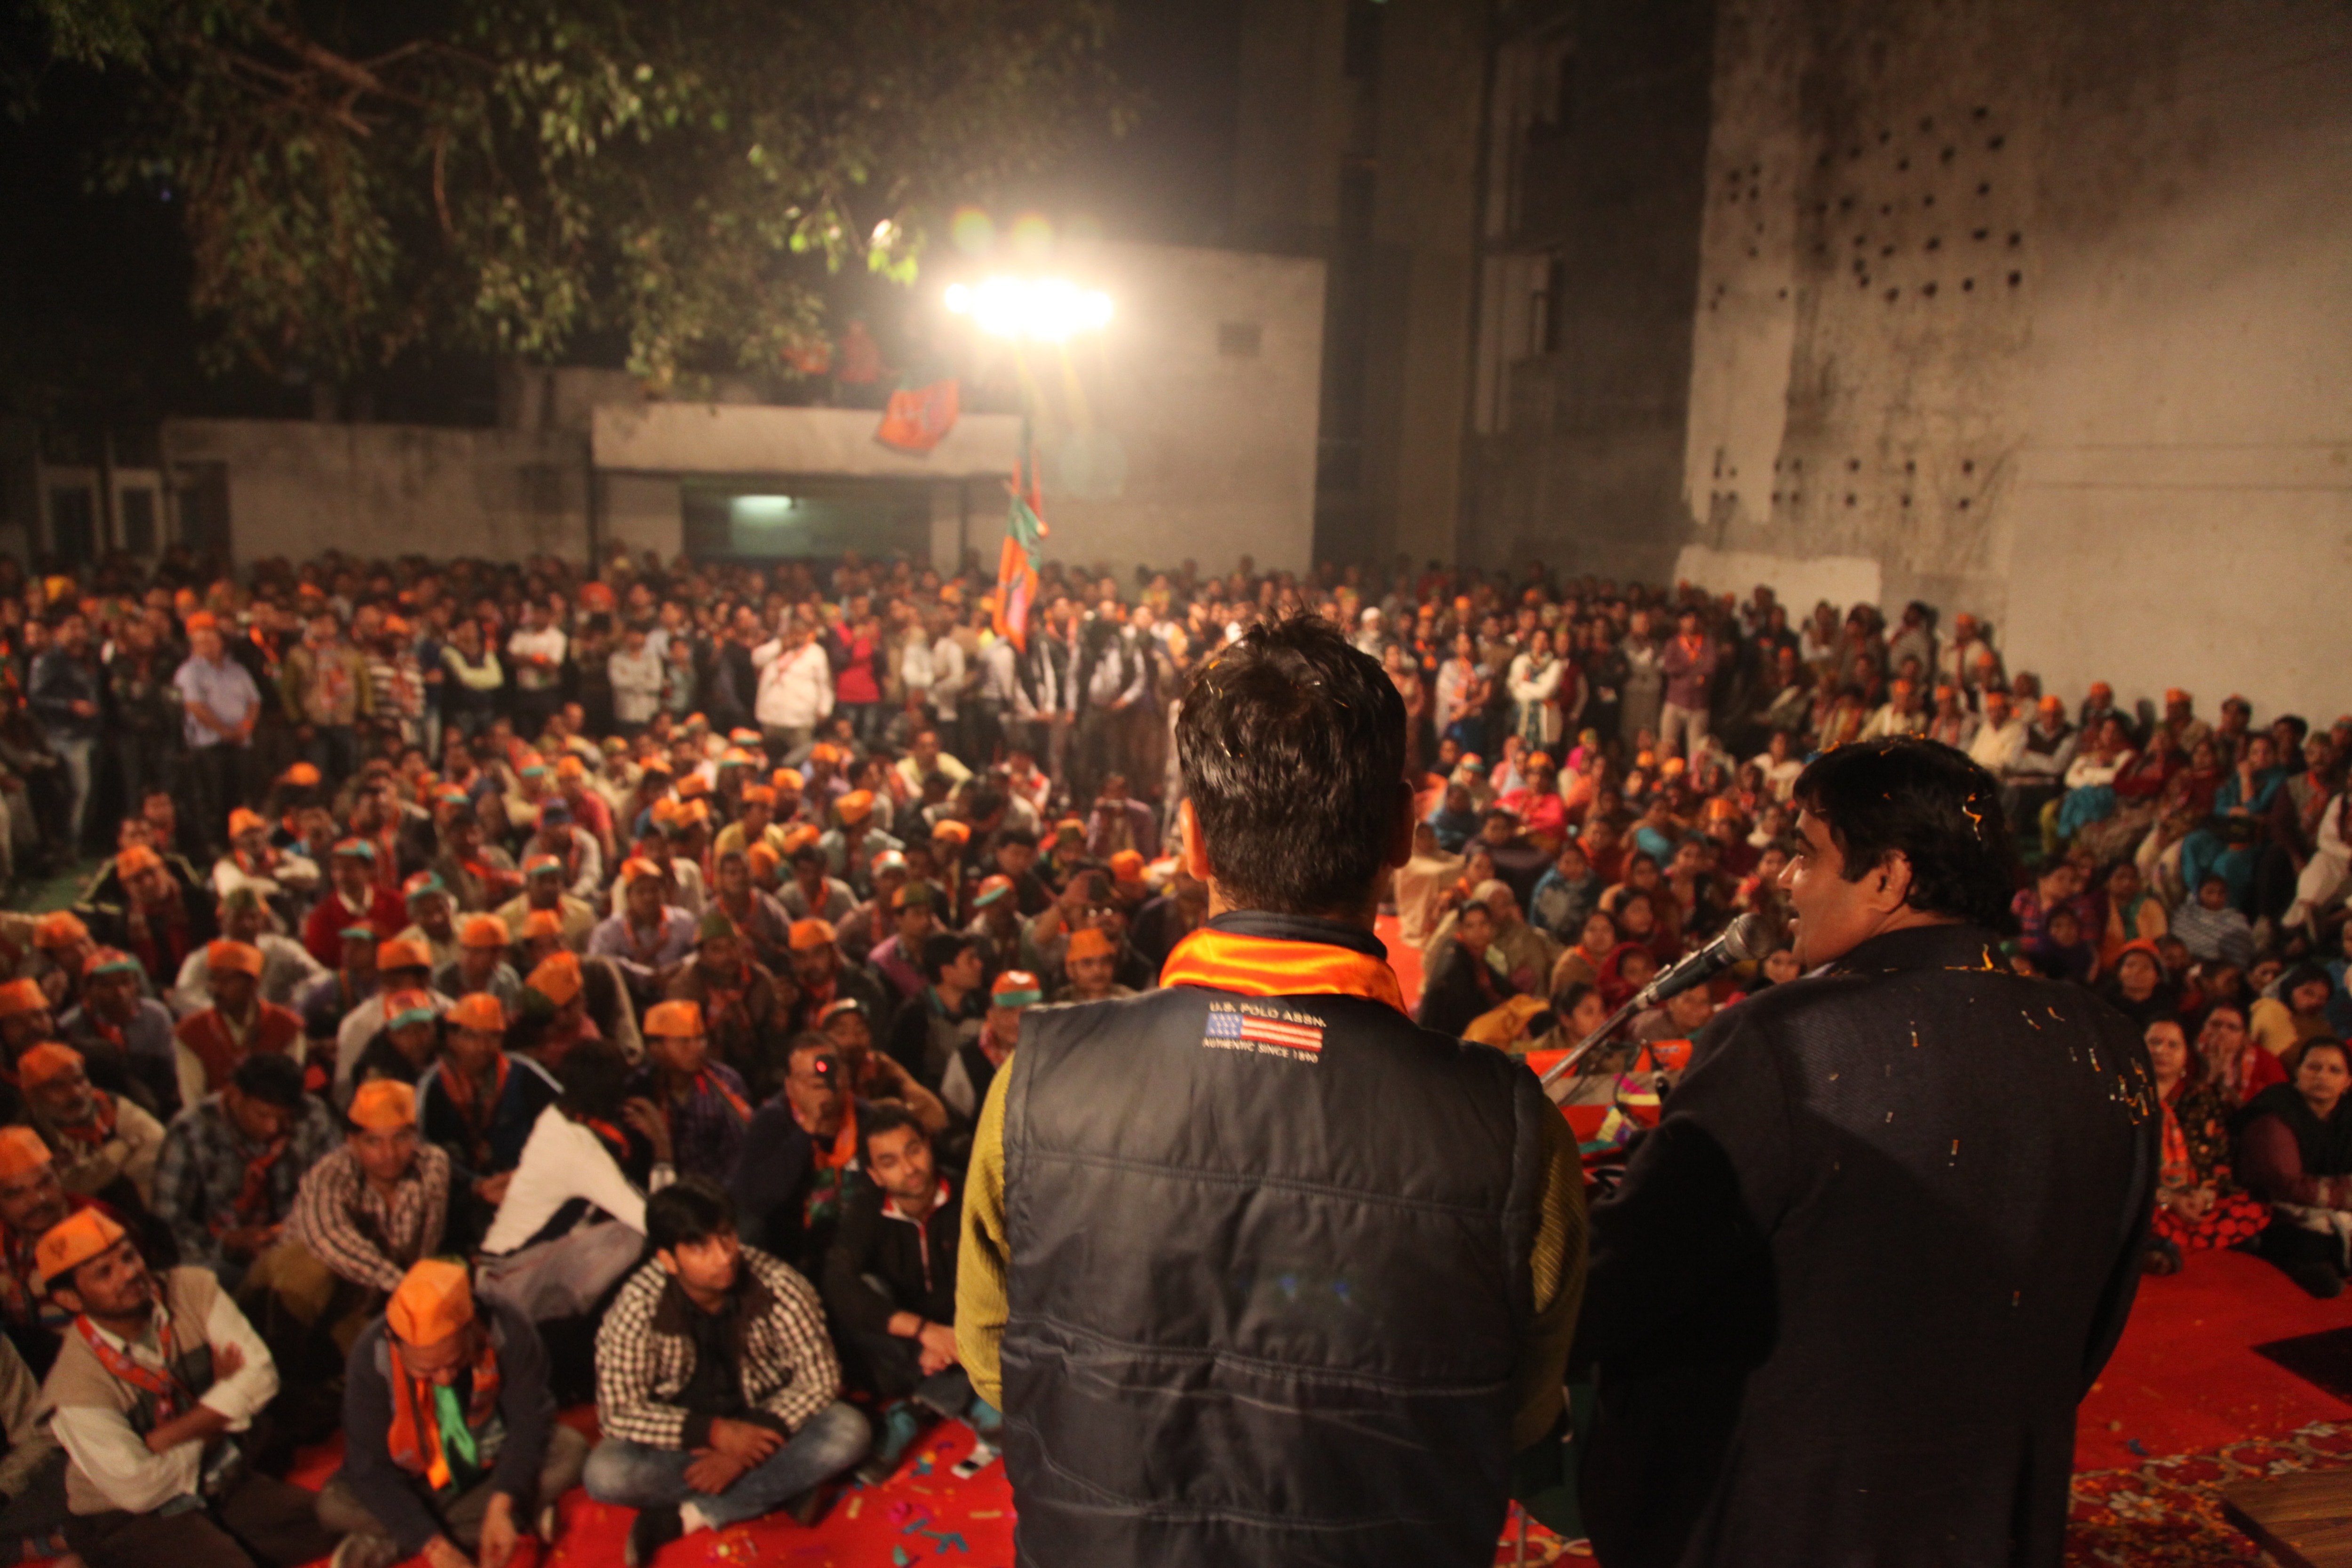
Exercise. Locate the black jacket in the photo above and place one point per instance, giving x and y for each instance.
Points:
(1855, 1284)
(918, 1262)
(1265, 1304)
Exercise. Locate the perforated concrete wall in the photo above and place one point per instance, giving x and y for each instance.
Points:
(2048, 311)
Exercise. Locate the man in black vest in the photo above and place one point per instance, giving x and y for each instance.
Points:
(1852, 1287)
(1259, 1272)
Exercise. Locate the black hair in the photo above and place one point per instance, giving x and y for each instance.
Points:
(271, 1078)
(1020, 835)
(809, 854)
(1292, 746)
(1933, 805)
(885, 1116)
(942, 948)
(691, 1209)
(593, 1077)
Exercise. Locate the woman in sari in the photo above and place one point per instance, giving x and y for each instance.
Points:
(2198, 1208)
(2091, 777)
(1626, 971)
(2295, 1151)
(2239, 1070)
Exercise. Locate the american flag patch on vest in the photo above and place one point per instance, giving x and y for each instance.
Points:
(1233, 1029)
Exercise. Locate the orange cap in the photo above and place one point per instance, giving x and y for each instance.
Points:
(543, 922)
(1127, 866)
(72, 1242)
(557, 978)
(788, 778)
(478, 1010)
(2173, 694)
(759, 794)
(46, 1061)
(637, 870)
(1091, 941)
(241, 822)
(954, 832)
(806, 935)
(761, 857)
(234, 957)
(433, 1301)
(19, 997)
(21, 1150)
(59, 929)
(676, 1020)
(302, 775)
(399, 954)
(382, 1105)
(856, 806)
(692, 785)
(800, 837)
(570, 767)
(487, 930)
(135, 859)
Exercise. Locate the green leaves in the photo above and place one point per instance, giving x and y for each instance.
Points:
(371, 176)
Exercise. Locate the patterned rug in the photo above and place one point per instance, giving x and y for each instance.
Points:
(2167, 1513)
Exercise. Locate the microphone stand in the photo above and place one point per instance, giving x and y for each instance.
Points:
(1599, 1037)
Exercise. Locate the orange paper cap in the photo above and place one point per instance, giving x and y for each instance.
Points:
(856, 806)
(434, 1302)
(382, 1105)
(234, 957)
(402, 955)
(21, 1151)
(59, 929)
(72, 1242)
(676, 1020)
(1127, 866)
(21, 996)
(949, 828)
(135, 859)
(487, 931)
(806, 936)
(557, 978)
(543, 922)
(46, 1061)
(242, 822)
(479, 1011)
(1090, 942)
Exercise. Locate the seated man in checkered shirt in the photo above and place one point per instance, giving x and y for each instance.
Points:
(717, 1389)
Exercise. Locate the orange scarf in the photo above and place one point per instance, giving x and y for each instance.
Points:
(415, 1438)
(1269, 966)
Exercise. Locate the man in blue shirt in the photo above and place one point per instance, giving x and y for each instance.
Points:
(222, 706)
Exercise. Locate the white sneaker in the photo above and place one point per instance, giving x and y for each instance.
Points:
(364, 1551)
(983, 1454)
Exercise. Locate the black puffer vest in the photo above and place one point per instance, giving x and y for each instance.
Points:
(1265, 1297)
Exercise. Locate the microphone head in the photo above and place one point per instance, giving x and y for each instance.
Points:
(1748, 936)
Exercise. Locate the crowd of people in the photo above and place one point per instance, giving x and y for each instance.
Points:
(502, 985)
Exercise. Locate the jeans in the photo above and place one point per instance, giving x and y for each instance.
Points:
(341, 1510)
(334, 751)
(216, 778)
(637, 1475)
(75, 754)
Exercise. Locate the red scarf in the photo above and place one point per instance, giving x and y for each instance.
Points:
(415, 1439)
(100, 1127)
(710, 1083)
(1270, 966)
(253, 1196)
(162, 1382)
(460, 1091)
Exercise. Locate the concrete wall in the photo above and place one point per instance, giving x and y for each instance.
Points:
(1579, 460)
(381, 490)
(749, 438)
(2043, 310)
(1187, 426)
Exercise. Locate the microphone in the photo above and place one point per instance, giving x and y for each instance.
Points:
(1744, 939)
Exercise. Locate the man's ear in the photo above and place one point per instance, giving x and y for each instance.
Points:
(67, 1297)
(1890, 885)
(668, 1259)
(1196, 850)
(1399, 848)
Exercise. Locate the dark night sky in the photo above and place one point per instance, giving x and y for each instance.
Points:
(93, 288)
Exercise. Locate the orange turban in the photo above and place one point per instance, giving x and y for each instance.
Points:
(1089, 941)
(21, 996)
(383, 1105)
(557, 978)
(234, 957)
(807, 935)
(479, 1011)
(46, 1061)
(72, 1242)
(434, 1302)
(21, 1150)
(676, 1020)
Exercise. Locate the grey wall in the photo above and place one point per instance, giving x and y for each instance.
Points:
(1584, 468)
(2044, 313)
(381, 490)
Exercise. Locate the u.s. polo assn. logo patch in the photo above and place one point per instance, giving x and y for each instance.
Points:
(1265, 1030)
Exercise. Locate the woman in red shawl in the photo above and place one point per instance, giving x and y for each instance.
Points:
(2236, 1066)
(1626, 971)
(2198, 1208)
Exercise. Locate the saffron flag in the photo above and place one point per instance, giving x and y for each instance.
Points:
(918, 420)
(1016, 565)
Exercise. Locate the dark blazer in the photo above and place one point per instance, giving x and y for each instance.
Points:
(1855, 1284)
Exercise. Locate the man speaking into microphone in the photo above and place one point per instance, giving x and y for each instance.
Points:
(1852, 1286)
(1272, 1275)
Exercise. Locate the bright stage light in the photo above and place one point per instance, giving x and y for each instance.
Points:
(1049, 309)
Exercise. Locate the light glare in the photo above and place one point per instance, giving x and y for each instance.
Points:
(1048, 310)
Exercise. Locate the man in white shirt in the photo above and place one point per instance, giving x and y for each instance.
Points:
(154, 1379)
(795, 692)
(286, 966)
(537, 649)
(547, 1273)
(2000, 737)
(950, 676)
